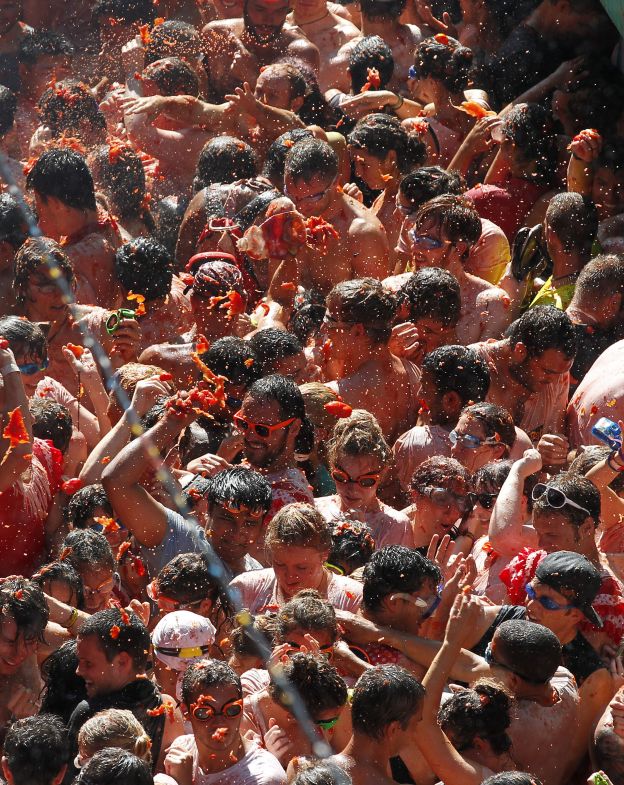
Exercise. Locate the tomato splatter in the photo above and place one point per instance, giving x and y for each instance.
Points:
(165, 377)
(71, 486)
(474, 109)
(114, 631)
(15, 430)
(338, 409)
(77, 351)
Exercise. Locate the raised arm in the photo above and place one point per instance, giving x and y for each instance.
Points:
(509, 531)
(14, 459)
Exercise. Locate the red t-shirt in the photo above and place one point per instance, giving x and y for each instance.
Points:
(506, 204)
(24, 510)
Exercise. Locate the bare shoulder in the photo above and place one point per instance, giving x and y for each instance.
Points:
(222, 28)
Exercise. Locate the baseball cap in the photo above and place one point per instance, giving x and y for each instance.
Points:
(578, 578)
(181, 638)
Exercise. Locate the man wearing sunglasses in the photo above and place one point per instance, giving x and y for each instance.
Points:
(566, 512)
(212, 700)
(445, 230)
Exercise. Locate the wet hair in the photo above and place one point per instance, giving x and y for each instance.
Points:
(24, 335)
(306, 611)
(33, 255)
(588, 458)
(112, 765)
(127, 11)
(188, 579)
(601, 276)
(511, 778)
(64, 689)
(61, 572)
(275, 159)
(608, 754)
(379, 133)
(117, 728)
(240, 485)
(497, 422)
(63, 174)
(172, 76)
(530, 128)
(427, 182)
(356, 437)
(36, 749)
(298, 525)
(383, 695)
(447, 62)
(87, 549)
(145, 267)
(492, 475)
(224, 159)
(22, 600)
(43, 43)
(129, 375)
(228, 357)
(67, 107)
(303, 84)
(541, 328)
(13, 226)
(365, 301)
(480, 712)
(396, 568)
(352, 544)
(173, 39)
(578, 489)
(460, 370)
(459, 221)
(83, 504)
(370, 52)
(8, 107)
(133, 638)
(307, 315)
(242, 642)
(530, 650)
(309, 158)
(317, 682)
(442, 472)
(320, 772)
(382, 10)
(432, 293)
(51, 420)
(284, 391)
(119, 171)
(574, 219)
(271, 345)
(201, 676)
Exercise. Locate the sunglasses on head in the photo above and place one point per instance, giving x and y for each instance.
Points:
(546, 602)
(260, 429)
(205, 711)
(556, 498)
(364, 480)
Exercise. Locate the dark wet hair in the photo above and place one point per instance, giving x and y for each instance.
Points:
(432, 293)
(228, 357)
(51, 420)
(63, 174)
(365, 301)
(427, 182)
(13, 226)
(43, 43)
(126, 11)
(530, 128)
(172, 76)
(396, 568)
(133, 638)
(64, 689)
(33, 255)
(446, 61)
(112, 765)
(382, 10)
(172, 38)
(383, 695)
(379, 133)
(271, 345)
(541, 328)
(224, 159)
(574, 219)
(459, 221)
(24, 335)
(275, 159)
(480, 712)
(578, 489)
(458, 369)
(8, 107)
(87, 549)
(144, 266)
(201, 676)
(317, 682)
(306, 611)
(309, 158)
(120, 172)
(36, 749)
(22, 600)
(68, 107)
(370, 52)
(531, 651)
(497, 422)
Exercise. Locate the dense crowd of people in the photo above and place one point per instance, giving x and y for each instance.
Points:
(311, 392)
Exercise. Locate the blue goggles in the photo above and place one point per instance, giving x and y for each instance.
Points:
(30, 369)
(546, 602)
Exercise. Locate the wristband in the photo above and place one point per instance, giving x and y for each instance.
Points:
(9, 368)
(73, 618)
(617, 467)
(399, 104)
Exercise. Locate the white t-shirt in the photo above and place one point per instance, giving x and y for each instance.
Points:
(388, 526)
(257, 767)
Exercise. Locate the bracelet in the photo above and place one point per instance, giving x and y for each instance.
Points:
(617, 467)
(469, 534)
(399, 105)
(9, 368)
(73, 618)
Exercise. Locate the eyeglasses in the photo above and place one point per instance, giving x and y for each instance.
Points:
(426, 242)
(327, 648)
(167, 605)
(364, 480)
(488, 656)
(469, 441)
(429, 606)
(103, 588)
(546, 602)
(442, 497)
(486, 500)
(260, 429)
(242, 510)
(205, 711)
(556, 498)
(29, 369)
(327, 724)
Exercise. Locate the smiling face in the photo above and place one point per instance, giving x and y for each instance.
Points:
(266, 451)
(100, 675)
(561, 621)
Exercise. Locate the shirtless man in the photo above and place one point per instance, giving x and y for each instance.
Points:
(66, 208)
(328, 32)
(445, 229)
(367, 375)
(385, 711)
(22, 624)
(382, 18)
(236, 49)
(529, 372)
(360, 250)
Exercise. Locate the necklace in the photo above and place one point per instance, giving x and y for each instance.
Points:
(313, 21)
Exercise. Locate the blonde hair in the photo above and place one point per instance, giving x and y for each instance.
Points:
(359, 434)
(315, 396)
(115, 728)
(300, 525)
